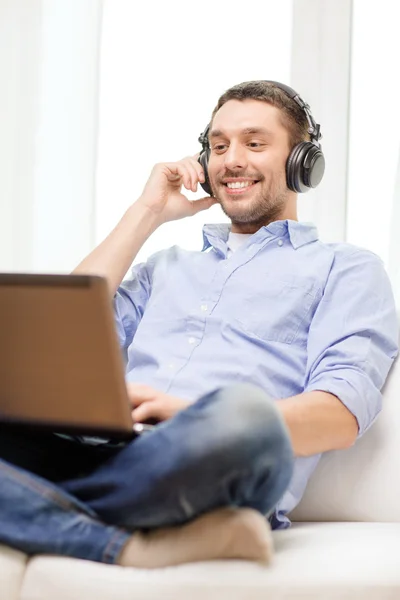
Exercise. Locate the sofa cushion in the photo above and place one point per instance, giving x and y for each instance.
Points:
(361, 483)
(12, 568)
(312, 560)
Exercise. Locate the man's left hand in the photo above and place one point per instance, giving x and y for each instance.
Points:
(149, 403)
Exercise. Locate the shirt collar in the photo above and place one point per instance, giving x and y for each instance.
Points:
(299, 233)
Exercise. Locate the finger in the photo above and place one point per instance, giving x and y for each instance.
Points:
(186, 174)
(140, 390)
(176, 172)
(146, 411)
(187, 170)
(138, 393)
(199, 170)
(194, 176)
(203, 204)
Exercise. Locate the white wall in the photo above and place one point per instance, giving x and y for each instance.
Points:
(66, 139)
(375, 125)
(321, 65)
(163, 67)
(48, 124)
(20, 49)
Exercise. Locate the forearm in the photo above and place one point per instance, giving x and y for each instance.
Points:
(113, 257)
(318, 422)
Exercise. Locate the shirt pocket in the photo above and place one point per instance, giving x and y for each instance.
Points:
(277, 309)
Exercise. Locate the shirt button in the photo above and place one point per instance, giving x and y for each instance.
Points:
(280, 243)
(192, 340)
(204, 307)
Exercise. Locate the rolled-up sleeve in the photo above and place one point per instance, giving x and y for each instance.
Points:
(353, 337)
(130, 302)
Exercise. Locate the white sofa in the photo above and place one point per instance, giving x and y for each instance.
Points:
(344, 543)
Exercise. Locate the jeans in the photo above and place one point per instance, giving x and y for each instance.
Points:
(229, 448)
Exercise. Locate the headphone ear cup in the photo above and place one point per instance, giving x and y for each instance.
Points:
(203, 160)
(293, 168)
(313, 167)
(305, 167)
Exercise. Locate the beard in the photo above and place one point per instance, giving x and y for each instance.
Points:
(264, 203)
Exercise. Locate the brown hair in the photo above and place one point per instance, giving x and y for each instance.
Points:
(293, 117)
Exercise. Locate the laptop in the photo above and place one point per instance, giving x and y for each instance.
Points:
(61, 366)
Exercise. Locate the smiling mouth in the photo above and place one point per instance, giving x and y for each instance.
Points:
(239, 187)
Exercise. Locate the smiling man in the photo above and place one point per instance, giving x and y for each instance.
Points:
(247, 169)
(256, 354)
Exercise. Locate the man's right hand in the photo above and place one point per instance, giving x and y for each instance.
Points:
(162, 193)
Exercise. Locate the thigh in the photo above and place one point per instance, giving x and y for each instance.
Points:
(47, 455)
(228, 448)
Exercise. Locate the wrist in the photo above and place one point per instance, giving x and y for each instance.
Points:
(143, 216)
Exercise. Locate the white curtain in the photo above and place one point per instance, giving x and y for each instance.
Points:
(163, 67)
(48, 122)
(321, 66)
(373, 217)
(394, 245)
(19, 75)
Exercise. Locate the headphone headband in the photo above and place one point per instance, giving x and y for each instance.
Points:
(314, 129)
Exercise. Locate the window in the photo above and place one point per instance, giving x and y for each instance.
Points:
(163, 68)
(374, 127)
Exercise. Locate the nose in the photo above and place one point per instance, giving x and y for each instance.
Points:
(235, 158)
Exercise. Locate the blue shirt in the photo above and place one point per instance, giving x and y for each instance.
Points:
(285, 312)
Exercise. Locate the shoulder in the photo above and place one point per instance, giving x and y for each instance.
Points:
(355, 261)
(345, 252)
(358, 273)
(332, 261)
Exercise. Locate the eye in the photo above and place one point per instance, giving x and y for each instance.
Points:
(255, 144)
(219, 147)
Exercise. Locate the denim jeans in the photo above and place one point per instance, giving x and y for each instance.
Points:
(229, 448)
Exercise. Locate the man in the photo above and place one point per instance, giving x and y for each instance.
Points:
(266, 344)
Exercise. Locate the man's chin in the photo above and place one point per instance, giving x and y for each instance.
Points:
(237, 210)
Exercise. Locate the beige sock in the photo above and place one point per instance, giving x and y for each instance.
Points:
(224, 533)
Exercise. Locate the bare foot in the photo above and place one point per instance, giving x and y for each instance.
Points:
(224, 533)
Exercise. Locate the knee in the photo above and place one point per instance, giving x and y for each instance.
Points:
(248, 407)
(248, 404)
(249, 422)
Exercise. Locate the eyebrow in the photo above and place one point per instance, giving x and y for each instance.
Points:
(247, 131)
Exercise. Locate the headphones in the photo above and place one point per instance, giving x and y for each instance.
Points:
(306, 163)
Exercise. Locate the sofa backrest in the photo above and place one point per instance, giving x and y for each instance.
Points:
(361, 483)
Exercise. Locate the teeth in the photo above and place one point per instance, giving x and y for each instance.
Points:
(239, 184)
